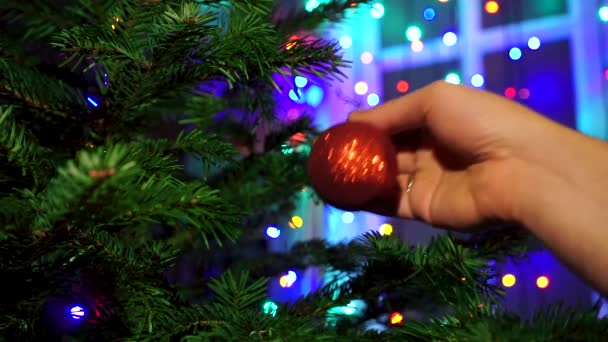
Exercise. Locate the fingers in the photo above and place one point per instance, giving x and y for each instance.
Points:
(404, 113)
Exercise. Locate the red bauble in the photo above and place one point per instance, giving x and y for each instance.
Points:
(352, 164)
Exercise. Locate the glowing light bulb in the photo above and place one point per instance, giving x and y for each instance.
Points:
(534, 43)
(477, 80)
(515, 53)
(413, 33)
(270, 308)
(367, 58)
(450, 39)
(508, 280)
(361, 88)
(453, 78)
(348, 217)
(385, 229)
(492, 7)
(396, 318)
(300, 81)
(77, 312)
(273, 232)
(542, 282)
(345, 42)
(377, 11)
(296, 222)
(373, 99)
(403, 86)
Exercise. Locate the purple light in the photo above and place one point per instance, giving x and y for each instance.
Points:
(77, 312)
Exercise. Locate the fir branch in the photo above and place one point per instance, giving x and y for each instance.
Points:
(19, 146)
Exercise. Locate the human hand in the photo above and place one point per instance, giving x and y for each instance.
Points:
(462, 153)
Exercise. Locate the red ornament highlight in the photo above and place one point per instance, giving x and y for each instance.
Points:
(352, 164)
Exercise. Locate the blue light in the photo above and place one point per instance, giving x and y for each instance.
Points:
(346, 42)
(348, 217)
(534, 43)
(273, 232)
(373, 99)
(314, 95)
(603, 13)
(450, 39)
(515, 53)
(477, 80)
(300, 81)
(429, 14)
(377, 11)
(91, 101)
(292, 277)
(77, 312)
(293, 95)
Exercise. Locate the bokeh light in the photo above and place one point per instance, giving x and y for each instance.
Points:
(346, 42)
(542, 282)
(429, 14)
(311, 5)
(603, 13)
(515, 53)
(270, 308)
(77, 312)
(273, 232)
(296, 222)
(348, 217)
(314, 95)
(524, 93)
(492, 7)
(510, 92)
(508, 280)
(361, 88)
(403, 86)
(477, 80)
(373, 99)
(288, 279)
(534, 43)
(386, 229)
(450, 39)
(413, 33)
(377, 11)
(367, 57)
(417, 46)
(396, 318)
(300, 81)
(453, 78)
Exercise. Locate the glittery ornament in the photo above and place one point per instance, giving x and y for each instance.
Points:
(351, 164)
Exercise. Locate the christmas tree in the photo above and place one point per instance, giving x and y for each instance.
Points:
(100, 104)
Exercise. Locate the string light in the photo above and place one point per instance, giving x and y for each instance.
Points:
(524, 93)
(300, 81)
(429, 14)
(373, 99)
(296, 222)
(396, 318)
(270, 308)
(385, 229)
(377, 11)
(477, 80)
(508, 280)
(92, 102)
(348, 217)
(77, 312)
(510, 92)
(453, 78)
(361, 88)
(413, 33)
(450, 39)
(542, 282)
(492, 7)
(367, 57)
(534, 43)
(603, 13)
(515, 53)
(345, 42)
(273, 232)
(403, 86)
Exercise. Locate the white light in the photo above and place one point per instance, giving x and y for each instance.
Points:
(292, 277)
(533, 43)
(300, 81)
(346, 42)
(477, 80)
(348, 217)
(273, 232)
(450, 39)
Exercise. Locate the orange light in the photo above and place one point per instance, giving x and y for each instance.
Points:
(291, 44)
(396, 318)
(492, 7)
(403, 86)
(542, 282)
(508, 280)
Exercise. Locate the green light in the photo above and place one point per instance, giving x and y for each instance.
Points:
(377, 11)
(311, 5)
(270, 308)
(603, 13)
(453, 78)
(413, 33)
